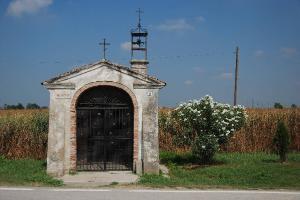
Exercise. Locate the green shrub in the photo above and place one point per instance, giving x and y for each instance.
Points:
(281, 141)
(204, 148)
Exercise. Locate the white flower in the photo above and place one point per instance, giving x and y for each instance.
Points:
(203, 146)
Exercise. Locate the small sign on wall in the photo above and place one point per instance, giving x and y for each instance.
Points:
(63, 95)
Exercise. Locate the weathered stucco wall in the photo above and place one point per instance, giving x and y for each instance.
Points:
(149, 139)
(56, 141)
(60, 151)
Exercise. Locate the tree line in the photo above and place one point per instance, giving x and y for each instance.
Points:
(280, 106)
(21, 106)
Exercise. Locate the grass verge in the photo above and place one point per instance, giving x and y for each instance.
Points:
(230, 170)
(25, 172)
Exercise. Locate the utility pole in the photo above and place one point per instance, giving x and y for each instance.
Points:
(237, 54)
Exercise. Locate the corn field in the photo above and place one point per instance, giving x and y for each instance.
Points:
(23, 133)
(256, 136)
(260, 129)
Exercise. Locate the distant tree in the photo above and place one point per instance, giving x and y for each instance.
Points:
(281, 141)
(19, 106)
(32, 106)
(293, 106)
(278, 105)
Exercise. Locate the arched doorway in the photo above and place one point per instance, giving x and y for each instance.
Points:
(104, 130)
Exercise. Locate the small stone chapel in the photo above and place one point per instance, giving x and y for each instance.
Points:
(104, 116)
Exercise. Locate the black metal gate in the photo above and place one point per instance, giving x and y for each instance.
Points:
(104, 130)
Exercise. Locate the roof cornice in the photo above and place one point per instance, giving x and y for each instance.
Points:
(121, 68)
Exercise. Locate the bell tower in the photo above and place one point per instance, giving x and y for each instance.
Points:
(139, 36)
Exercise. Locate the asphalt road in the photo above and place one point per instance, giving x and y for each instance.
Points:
(138, 194)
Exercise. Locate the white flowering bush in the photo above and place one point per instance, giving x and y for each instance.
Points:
(205, 125)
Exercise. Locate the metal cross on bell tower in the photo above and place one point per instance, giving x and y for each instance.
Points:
(140, 12)
(139, 40)
(104, 44)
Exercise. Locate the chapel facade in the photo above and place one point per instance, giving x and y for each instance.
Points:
(104, 116)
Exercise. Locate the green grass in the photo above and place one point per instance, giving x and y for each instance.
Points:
(25, 172)
(230, 170)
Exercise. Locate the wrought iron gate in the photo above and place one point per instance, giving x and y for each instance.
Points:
(104, 130)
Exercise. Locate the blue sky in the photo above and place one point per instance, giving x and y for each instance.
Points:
(191, 46)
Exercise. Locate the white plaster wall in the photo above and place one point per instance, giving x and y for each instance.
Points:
(150, 143)
(60, 104)
(56, 146)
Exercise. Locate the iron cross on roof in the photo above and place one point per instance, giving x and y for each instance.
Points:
(105, 44)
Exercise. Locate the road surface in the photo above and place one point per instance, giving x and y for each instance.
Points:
(10, 193)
